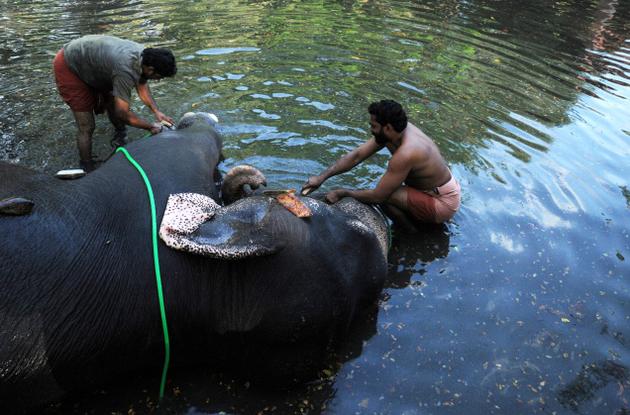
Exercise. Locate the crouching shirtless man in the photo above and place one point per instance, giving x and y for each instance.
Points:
(417, 186)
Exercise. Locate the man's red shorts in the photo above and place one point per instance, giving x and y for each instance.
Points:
(436, 206)
(74, 92)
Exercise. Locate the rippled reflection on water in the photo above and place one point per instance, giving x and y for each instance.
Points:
(521, 303)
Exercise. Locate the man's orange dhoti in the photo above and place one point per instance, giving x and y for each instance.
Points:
(437, 205)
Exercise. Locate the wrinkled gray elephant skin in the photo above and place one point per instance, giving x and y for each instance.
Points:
(78, 303)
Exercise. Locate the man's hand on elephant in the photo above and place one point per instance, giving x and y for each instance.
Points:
(311, 185)
(161, 117)
(335, 195)
(156, 128)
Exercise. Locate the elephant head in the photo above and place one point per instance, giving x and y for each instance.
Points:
(259, 225)
(190, 118)
(293, 285)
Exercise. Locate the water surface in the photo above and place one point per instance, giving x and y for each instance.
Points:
(521, 304)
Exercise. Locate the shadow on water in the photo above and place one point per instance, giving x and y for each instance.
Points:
(412, 252)
(583, 394)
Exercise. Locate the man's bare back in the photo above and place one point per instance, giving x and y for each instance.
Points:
(428, 168)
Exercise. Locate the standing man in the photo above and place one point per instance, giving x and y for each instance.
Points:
(96, 73)
(417, 186)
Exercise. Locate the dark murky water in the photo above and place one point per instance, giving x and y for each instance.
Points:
(520, 305)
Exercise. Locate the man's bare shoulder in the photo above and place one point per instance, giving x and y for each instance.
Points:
(414, 143)
(406, 156)
(416, 134)
(418, 140)
(401, 162)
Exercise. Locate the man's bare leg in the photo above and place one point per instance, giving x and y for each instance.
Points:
(120, 135)
(400, 218)
(85, 126)
(396, 209)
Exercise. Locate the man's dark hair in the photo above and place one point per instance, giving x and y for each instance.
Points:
(389, 112)
(161, 59)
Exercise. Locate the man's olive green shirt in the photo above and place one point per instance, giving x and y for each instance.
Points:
(106, 63)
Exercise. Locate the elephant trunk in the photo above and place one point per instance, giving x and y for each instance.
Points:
(236, 181)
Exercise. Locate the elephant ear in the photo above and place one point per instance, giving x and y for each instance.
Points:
(197, 224)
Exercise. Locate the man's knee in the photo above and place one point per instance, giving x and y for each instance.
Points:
(399, 198)
(86, 130)
(85, 123)
(401, 218)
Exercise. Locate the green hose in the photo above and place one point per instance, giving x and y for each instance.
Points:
(156, 264)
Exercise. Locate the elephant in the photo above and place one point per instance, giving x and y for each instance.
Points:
(267, 290)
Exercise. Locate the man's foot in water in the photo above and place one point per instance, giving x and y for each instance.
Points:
(90, 165)
(120, 138)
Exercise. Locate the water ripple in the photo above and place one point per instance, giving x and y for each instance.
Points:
(527, 101)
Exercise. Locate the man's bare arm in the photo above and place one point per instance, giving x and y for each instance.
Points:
(145, 96)
(397, 171)
(123, 112)
(342, 165)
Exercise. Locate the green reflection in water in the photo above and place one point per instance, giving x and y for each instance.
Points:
(467, 74)
(500, 86)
